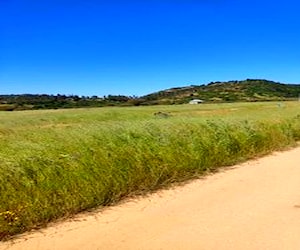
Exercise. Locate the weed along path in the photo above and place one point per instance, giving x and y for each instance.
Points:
(255, 205)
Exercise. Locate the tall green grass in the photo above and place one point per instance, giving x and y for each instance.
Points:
(57, 163)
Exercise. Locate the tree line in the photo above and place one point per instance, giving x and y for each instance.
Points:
(44, 101)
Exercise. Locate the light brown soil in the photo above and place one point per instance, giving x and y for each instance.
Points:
(255, 205)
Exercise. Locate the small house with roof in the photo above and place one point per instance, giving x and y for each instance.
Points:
(196, 101)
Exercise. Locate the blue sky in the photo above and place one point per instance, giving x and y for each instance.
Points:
(137, 47)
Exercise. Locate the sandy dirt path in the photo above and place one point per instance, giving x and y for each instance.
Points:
(255, 205)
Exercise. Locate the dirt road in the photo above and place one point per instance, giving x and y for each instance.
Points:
(255, 205)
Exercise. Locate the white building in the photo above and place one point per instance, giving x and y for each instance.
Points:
(196, 101)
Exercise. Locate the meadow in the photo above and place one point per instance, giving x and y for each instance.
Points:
(55, 163)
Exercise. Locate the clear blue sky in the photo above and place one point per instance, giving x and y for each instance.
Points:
(135, 47)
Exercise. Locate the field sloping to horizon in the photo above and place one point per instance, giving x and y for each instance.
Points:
(55, 163)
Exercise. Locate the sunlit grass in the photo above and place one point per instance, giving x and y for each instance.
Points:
(57, 163)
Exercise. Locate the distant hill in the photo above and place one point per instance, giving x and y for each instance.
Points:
(231, 91)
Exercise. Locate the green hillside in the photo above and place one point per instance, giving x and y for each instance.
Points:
(232, 91)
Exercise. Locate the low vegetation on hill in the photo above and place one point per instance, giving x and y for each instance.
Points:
(232, 91)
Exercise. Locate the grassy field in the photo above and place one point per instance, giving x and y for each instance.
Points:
(54, 163)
